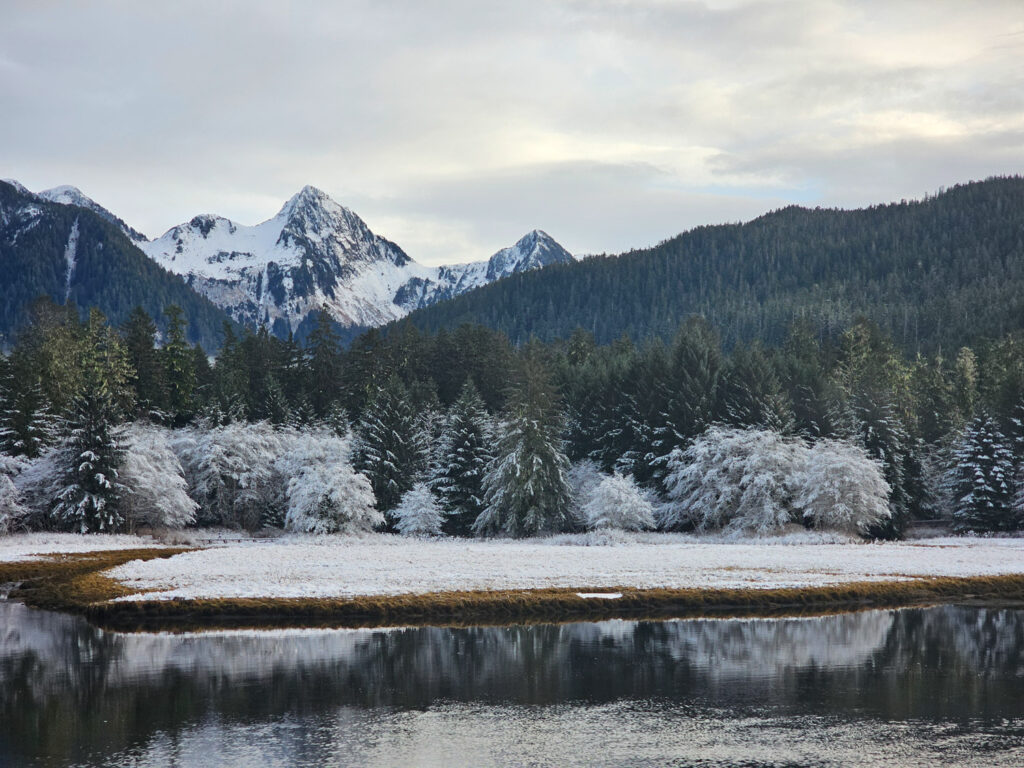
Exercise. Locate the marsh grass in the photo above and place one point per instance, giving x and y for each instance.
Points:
(76, 583)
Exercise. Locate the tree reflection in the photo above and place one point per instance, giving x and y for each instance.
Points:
(70, 690)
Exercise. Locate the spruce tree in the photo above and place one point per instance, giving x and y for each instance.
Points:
(527, 487)
(179, 364)
(465, 455)
(140, 342)
(981, 479)
(89, 499)
(324, 365)
(388, 447)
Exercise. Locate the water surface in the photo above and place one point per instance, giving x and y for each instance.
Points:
(912, 687)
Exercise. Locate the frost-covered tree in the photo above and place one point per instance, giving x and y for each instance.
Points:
(157, 492)
(389, 449)
(584, 477)
(732, 479)
(617, 502)
(90, 499)
(233, 473)
(839, 487)
(526, 487)
(418, 513)
(981, 479)
(465, 453)
(12, 509)
(325, 494)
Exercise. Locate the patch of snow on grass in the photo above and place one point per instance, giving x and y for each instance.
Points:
(378, 564)
(29, 546)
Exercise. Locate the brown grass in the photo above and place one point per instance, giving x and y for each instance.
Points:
(76, 583)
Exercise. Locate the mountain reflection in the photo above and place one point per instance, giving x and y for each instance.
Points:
(68, 690)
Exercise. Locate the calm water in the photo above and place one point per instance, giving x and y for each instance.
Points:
(914, 687)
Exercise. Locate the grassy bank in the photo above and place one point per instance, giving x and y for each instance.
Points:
(75, 583)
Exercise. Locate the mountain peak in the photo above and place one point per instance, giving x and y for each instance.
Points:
(533, 250)
(66, 194)
(309, 198)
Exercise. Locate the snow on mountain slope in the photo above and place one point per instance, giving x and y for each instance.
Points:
(68, 195)
(315, 253)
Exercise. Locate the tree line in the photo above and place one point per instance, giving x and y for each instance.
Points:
(461, 432)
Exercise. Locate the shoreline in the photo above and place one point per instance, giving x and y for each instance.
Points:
(76, 583)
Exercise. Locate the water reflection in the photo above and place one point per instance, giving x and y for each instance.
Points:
(70, 693)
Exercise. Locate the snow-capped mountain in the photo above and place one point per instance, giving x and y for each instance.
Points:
(315, 253)
(68, 195)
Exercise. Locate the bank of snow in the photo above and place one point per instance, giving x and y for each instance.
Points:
(390, 565)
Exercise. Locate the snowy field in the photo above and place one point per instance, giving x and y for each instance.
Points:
(386, 565)
(28, 546)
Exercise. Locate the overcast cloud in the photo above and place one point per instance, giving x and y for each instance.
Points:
(455, 127)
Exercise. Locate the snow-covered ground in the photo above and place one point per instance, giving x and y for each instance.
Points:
(386, 565)
(28, 546)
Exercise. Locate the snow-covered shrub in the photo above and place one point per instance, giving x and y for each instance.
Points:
(617, 502)
(418, 513)
(38, 481)
(325, 494)
(11, 508)
(841, 488)
(157, 489)
(584, 477)
(733, 479)
(232, 472)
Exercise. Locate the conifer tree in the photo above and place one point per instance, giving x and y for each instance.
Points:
(981, 479)
(179, 365)
(90, 498)
(140, 343)
(751, 393)
(388, 448)
(465, 455)
(324, 362)
(527, 487)
(694, 376)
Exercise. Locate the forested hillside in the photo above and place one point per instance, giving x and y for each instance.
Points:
(936, 273)
(73, 254)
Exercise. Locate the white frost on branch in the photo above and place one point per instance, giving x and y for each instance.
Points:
(325, 495)
(418, 513)
(158, 492)
(841, 488)
(617, 502)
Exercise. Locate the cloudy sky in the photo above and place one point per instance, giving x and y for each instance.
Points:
(453, 127)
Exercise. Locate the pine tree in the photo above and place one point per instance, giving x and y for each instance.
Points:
(751, 393)
(982, 479)
(89, 500)
(324, 362)
(526, 487)
(178, 362)
(140, 343)
(694, 381)
(388, 449)
(465, 455)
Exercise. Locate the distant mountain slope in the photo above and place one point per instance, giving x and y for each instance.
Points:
(936, 273)
(315, 253)
(73, 253)
(68, 195)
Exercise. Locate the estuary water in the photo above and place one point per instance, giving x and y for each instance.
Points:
(915, 687)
